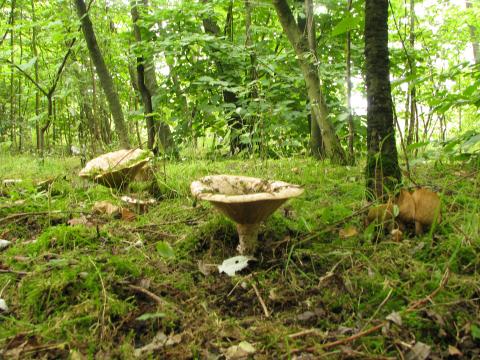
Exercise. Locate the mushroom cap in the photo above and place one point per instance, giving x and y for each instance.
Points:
(245, 200)
(116, 169)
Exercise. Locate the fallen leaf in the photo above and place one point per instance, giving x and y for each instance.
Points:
(82, 220)
(307, 315)
(127, 215)
(3, 306)
(234, 264)
(348, 232)
(204, 268)
(105, 207)
(4, 244)
(453, 351)
(419, 351)
(395, 318)
(159, 341)
(165, 249)
(240, 351)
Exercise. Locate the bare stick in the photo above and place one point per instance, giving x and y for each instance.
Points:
(264, 307)
(8, 271)
(303, 333)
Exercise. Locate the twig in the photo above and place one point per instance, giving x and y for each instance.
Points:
(378, 308)
(264, 307)
(353, 337)
(37, 213)
(303, 333)
(9, 271)
(150, 294)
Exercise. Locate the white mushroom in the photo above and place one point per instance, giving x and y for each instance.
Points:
(116, 169)
(245, 200)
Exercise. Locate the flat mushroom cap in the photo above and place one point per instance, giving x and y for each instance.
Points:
(246, 200)
(116, 169)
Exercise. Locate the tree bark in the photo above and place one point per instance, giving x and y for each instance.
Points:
(351, 128)
(234, 120)
(148, 88)
(307, 27)
(333, 149)
(382, 171)
(473, 36)
(412, 89)
(104, 75)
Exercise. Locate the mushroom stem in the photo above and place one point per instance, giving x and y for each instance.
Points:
(248, 236)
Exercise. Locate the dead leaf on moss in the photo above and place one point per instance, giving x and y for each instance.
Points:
(419, 351)
(82, 220)
(159, 342)
(395, 317)
(127, 215)
(106, 208)
(348, 232)
(241, 351)
(453, 351)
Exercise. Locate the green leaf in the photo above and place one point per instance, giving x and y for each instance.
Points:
(165, 250)
(149, 316)
(475, 330)
(28, 65)
(347, 24)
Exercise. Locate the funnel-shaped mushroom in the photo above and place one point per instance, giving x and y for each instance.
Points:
(116, 169)
(245, 200)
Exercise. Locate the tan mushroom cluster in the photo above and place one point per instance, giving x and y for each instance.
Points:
(116, 169)
(246, 200)
(420, 208)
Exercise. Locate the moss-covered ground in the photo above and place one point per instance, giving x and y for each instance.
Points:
(100, 287)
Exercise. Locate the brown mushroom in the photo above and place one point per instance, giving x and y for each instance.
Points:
(427, 209)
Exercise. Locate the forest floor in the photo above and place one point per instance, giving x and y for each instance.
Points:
(82, 285)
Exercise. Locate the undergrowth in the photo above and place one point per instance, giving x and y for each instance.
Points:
(79, 290)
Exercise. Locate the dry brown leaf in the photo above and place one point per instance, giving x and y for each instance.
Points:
(127, 215)
(240, 351)
(105, 207)
(453, 351)
(82, 220)
(419, 351)
(348, 232)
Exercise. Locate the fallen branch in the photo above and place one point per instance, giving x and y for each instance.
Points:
(150, 294)
(18, 216)
(9, 271)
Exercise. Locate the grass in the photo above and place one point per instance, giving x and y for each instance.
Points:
(73, 291)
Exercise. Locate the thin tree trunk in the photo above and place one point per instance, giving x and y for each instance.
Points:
(412, 88)
(299, 41)
(104, 75)
(473, 36)
(12, 79)
(382, 171)
(148, 88)
(37, 91)
(252, 74)
(234, 120)
(351, 128)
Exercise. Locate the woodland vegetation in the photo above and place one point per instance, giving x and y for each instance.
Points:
(361, 103)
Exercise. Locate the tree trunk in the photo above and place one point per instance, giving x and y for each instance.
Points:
(411, 85)
(105, 78)
(148, 88)
(351, 128)
(37, 91)
(306, 24)
(382, 171)
(473, 36)
(299, 41)
(12, 79)
(234, 120)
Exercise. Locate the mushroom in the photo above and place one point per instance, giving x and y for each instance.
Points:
(245, 200)
(116, 169)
